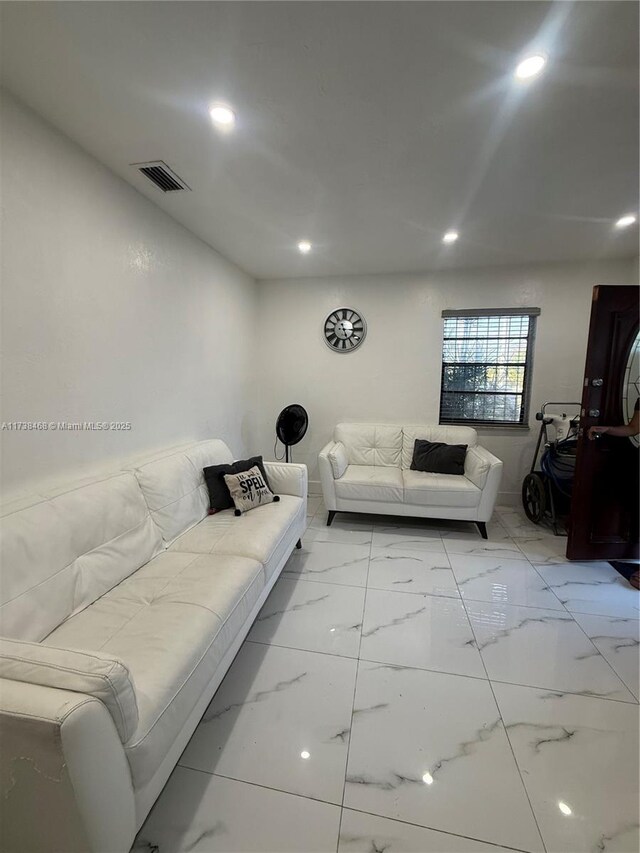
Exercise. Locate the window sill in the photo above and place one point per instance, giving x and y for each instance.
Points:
(490, 427)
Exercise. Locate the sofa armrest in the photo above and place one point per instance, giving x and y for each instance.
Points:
(326, 476)
(337, 456)
(485, 472)
(288, 478)
(476, 465)
(94, 674)
(64, 777)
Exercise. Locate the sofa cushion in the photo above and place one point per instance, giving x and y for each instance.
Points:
(370, 483)
(174, 487)
(171, 624)
(445, 434)
(264, 534)
(371, 444)
(452, 490)
(60, 554)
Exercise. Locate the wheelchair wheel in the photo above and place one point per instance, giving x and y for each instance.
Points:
(534, 497)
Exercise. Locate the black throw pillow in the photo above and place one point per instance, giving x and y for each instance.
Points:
(436, 457)
(219, 495)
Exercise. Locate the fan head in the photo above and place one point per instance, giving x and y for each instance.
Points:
(292, 424)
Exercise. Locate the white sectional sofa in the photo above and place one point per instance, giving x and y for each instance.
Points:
(122, 605)
(366, 468)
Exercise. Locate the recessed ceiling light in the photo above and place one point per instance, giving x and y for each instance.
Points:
(450, 237)
(427, 779)
(564, 808)
(305, 754)
(531, 66)
(222, 116)
(304, 246)
(625, 221)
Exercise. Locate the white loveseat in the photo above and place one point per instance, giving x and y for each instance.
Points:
(122, 605)
(366, 468)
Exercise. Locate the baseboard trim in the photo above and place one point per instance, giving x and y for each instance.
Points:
(315, 489)
(513, 499)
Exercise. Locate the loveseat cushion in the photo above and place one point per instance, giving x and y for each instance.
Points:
(102, 676)
(171, 624)
(371, 444)
(263, 534)
(450, 490)
(370, 483)
(60, 554)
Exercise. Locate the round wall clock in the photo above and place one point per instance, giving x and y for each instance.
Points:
(344, 330)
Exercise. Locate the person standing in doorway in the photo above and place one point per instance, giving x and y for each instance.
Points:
(623, 431)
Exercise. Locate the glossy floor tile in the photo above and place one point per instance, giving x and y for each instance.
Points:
(618, 641)
(330, 562)
(366, 833)
(517, 524)
(541, 648)
(502, 581)
(280, 718)
(592, 588)
(352, 535)
(430, 749)
(499, 543)
(313, 505)
(210, 814)
(411, 571)
(407, 536)
(360, 714)
(579, 762)
(425, 631)
(543, 548)
(316, 617)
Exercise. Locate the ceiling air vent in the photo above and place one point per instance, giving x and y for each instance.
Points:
(162, 176)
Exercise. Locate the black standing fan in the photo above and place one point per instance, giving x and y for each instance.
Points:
(291, 426)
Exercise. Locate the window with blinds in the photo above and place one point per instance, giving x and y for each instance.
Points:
(487, 359)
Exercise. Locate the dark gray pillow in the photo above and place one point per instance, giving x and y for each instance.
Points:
(219, 495)
(436, 457)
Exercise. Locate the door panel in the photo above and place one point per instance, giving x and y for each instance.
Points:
(603, 523)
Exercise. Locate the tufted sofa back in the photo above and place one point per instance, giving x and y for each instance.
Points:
(431, 432)
(391, 445)
(61, 553)
(174, 488)
(62, 550)
(371, 444)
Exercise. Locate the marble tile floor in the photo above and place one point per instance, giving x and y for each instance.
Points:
(411, 688)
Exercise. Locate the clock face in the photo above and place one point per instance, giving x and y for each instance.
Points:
(344, 330)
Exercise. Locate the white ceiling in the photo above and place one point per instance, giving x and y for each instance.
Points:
(368, 128)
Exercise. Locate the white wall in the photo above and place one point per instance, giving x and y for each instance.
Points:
(111, 311)
(395, 375)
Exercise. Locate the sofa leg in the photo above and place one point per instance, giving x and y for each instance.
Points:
(330, 517)
(299, 544)
(482, 527)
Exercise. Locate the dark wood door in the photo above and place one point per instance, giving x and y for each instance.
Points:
(603, 524)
